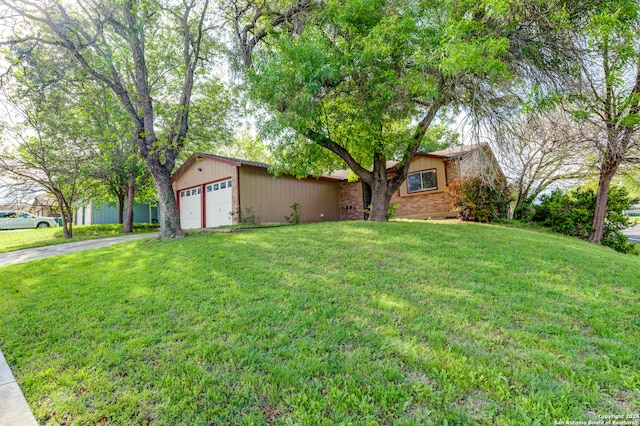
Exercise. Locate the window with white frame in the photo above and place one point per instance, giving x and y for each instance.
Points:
(422, 181)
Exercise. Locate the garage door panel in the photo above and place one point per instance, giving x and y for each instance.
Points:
(218, 203)
(191, 208)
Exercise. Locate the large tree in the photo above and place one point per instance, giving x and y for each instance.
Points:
(605, 99)
(364, 80)
(43, 149)
(117, 166)
(539, 148)
(140, 50)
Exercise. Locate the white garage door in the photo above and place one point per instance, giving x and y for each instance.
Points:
(190, 209)
(218, 203)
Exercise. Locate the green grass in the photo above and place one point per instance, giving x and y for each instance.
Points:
(18, 239)
(337, 323)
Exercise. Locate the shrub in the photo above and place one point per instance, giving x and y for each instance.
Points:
(245, 217)
(526, 211)
(393, 208)
(296, 214)
(571, 213)
(480, 201)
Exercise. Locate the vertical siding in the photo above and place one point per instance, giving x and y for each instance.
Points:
(211, 170)
(105, 213)
(271, 198)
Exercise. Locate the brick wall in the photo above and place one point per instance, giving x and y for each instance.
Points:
(351, 201)
(436, 205)
(452, 171)
(428, 205)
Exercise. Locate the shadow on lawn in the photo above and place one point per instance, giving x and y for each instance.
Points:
(394, 323)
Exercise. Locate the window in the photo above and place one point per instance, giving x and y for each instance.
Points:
(422, 181)
(216, 186)
(229, 184)
(181, 194)
(223, 185)
(198, 190)
(209, 188)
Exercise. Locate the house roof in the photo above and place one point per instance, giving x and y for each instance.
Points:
(458, 151)
(233, 161)
(236, 161)
(445, 155)
(44, 200)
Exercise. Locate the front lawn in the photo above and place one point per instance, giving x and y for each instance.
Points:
(18, 239)
(336, 323)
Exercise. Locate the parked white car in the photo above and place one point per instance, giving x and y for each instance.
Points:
(11, 219)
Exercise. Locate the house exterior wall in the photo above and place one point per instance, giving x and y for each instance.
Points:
(430, 205)
(106, 213)
(211, 170)
(84, 215)
(426, 163)
(452, 172)
(203, 172)
(271, 198)
(40, 209)
(351, 201)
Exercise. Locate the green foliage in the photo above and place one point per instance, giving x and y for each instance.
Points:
(292, 325)
(391, 211)
(247, 147)
(246, 216)
(477, 200)
(438, 137)
(526, 211)
(363, 73)
(393, 208)
(101, 231)
(296, 214)
(571, 213)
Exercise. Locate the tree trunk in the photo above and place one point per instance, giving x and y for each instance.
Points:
(127, 226)
(169, 215)
(66, 215)
(121, 200)
(607, 172)
(381, 190)
(67, 220)
(380, 200)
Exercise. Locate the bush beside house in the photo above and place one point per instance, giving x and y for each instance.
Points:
(479, 200)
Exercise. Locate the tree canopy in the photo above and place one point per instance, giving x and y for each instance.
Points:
(364, 80)
(148, 53)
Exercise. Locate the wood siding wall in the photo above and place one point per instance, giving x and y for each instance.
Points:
(271, 198)
(426, 163)
(211, 171)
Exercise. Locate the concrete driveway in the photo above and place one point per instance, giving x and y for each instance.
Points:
(633, 234)
(27, 255)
